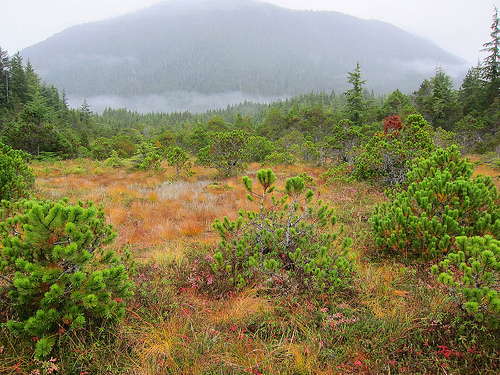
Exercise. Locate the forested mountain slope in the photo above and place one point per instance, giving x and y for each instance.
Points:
(233, 46)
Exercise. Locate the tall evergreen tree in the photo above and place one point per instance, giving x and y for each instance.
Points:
(472, 92)
(394, 104)
(4, 78)
(355, 98)
(34, 132)
(18, 81)
(491, 64)
(437, 101)
(32, 79)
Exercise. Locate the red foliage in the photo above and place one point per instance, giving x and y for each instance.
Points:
(392, 125)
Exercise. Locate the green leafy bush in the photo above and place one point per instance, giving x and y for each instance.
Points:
(288, 243)
(441, 203)
(16, 176)
(57, 273)
(385, 157)
(226, 152)
(472, 274)
(178, 158)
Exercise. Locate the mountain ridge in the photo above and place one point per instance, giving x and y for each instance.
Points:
(243, 46)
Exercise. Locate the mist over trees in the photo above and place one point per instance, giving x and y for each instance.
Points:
(244, 49)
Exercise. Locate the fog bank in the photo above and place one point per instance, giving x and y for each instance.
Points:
(178, 101)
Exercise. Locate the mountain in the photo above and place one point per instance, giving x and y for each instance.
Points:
(232, 46)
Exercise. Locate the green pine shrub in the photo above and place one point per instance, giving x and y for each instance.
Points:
(114, 161)
(146, 158)
(441, 203)
(16, 176)
(288, 244)
(472, 274)
(57, 272)
(280, 157)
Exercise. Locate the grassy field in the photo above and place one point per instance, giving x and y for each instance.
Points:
(394, 319)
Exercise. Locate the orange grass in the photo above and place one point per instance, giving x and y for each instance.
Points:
(191, 228)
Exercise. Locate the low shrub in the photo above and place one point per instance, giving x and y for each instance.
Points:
(472, 274)
(441, 203)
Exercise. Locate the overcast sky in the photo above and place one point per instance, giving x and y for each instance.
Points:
(459, 26)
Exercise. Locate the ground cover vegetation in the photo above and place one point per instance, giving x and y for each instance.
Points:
(322, 234)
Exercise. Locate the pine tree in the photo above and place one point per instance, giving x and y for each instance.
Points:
(178, 158)
(57, 270)
(491, 64)
(441, 203)
(286, 240)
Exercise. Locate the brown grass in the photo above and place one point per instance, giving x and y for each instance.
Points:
(147, 209)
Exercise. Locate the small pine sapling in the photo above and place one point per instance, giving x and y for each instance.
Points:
(288, 242)
(441, 203)
(178, 158)
(56, 269)
(146, 158)
(16, 176)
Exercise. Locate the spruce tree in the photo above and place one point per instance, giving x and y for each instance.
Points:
(18, 85)
(355, 99)
(472, 92)
(4, 78)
